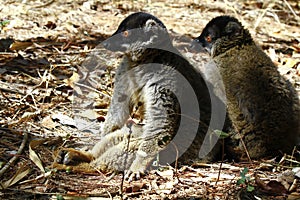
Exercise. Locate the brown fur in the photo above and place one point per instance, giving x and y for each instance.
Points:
(262, 105)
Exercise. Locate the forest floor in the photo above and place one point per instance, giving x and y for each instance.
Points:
(47, 55)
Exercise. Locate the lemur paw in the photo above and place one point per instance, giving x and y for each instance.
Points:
(71, 156)
(131, 176)
(135, 171)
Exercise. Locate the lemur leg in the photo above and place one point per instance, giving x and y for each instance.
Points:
(69, 156)
(161, 123)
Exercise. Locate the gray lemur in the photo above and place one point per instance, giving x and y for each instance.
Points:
(175, 102)
(262, 105)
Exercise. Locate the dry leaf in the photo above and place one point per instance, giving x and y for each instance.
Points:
(296, 170)
(165, 188)
(277, 187)
(286, 178)
(29, 115)
(79, 197)
(21, 173)
(47, 122)
(169, 174)
(71, 81)
(77, 90)
(34, 157)
(294, 196)
(290, 62)
(89, 113)
(272, 187)
(134, 187)
(20, 45)
(64, 119)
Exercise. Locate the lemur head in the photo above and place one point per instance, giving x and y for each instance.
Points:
(136, 32)
(221, 34)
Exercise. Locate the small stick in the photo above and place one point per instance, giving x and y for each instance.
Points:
(44, 5)
(220, 168)
(245, 147)
(92, 89)
(15, 157)
(291, 9)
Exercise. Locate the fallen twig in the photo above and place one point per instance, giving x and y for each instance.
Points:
(15, 157)
(9, 88)
(291, 9)
(45, 5)
(220, 169)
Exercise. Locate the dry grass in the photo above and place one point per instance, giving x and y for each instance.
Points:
(50, 48)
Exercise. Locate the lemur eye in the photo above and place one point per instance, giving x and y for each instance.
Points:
(208, 38)
(125, 33)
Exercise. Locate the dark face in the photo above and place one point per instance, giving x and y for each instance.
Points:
(217, 28)
(138, 30)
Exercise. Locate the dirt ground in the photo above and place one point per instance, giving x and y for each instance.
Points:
(47, 55)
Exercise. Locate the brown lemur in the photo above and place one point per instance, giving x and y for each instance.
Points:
(175, 100)
(262, 105)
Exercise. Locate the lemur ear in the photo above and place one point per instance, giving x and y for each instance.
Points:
(233, 28)
(150, 24)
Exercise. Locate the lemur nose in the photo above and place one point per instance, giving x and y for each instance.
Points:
(195, 46)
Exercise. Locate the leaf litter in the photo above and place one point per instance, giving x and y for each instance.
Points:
(48, 49)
